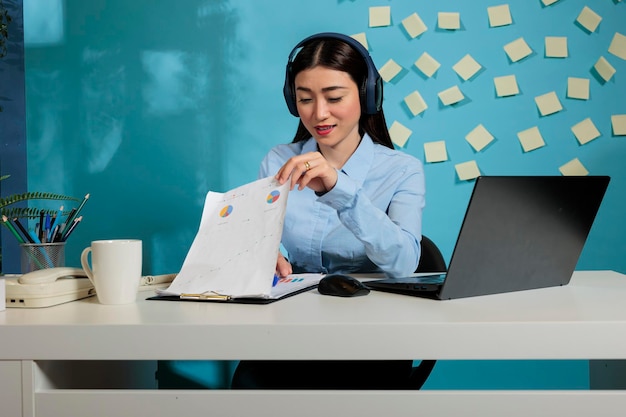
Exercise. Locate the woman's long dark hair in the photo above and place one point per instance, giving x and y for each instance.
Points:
(338, 55)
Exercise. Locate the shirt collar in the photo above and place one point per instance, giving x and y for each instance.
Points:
(358, 164)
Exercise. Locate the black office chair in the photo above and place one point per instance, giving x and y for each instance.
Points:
(257, 374)
(430, 261)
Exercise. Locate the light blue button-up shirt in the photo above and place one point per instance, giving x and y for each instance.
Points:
(371, 221)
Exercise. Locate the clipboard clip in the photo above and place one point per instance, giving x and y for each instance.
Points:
(209, 295)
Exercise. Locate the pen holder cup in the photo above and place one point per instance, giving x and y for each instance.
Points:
(37, 256)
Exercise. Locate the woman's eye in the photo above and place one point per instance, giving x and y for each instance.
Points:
(304, 100)
(334, 99)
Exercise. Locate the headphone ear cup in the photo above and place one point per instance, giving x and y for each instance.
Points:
(372, 94)
(363, 97)
(378, 94)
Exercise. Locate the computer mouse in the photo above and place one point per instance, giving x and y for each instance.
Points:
(340, 285)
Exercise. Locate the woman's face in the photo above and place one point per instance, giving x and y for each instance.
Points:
(329, 106)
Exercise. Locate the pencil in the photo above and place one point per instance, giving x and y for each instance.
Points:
(70, 216)
(71, 219)
(71, 228)
(12, 229)
(23, 230)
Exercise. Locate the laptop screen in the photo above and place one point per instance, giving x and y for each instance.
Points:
(518, 233)
(522, 232)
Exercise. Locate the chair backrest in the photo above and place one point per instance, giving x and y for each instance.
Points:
(431, 260)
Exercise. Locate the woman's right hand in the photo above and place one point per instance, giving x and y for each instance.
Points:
(308, 170)
(283, 267)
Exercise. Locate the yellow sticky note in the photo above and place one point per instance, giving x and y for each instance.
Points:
(618, 45)
(618, 122)
(574, 168)
(556, 46)
(414, 25)
(530, 139)
(466, 67)
(435, 151)
(589, 19)
(380, 16)
(390, 70)
(499, 15)
(399, 133)
(506, 86)
(518, 49)
(585, 131)
(415, 103)
(451, 95)
(362, 38)
(578, 88)
(448, 20)
(548, 103)
(479, 137)
(427, 64)
(467, 170)
(604, 69)
(548, 2)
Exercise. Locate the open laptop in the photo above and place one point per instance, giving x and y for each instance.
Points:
(519, 233)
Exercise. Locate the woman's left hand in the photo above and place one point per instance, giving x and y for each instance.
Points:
(308, 170)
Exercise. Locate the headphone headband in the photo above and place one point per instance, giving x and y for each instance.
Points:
(372, 90)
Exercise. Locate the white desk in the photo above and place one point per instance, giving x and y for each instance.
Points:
(584, 320)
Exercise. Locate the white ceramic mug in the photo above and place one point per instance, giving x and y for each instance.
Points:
(116, 269)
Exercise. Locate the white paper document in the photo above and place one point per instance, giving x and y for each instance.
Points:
(234, 253)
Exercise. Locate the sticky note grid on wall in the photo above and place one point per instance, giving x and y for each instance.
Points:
(542, 72)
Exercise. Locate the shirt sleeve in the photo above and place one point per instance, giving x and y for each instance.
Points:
(391, 238)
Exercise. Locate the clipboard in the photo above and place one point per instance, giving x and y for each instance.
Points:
(284, 288)
(227, 299)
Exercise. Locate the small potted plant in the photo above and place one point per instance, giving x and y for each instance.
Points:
(11, 211)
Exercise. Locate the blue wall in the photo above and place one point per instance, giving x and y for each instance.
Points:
(146, 108)
(147, 105)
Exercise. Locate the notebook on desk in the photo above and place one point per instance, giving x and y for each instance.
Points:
(519, 233)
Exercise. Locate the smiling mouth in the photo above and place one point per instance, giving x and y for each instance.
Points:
(324, 130)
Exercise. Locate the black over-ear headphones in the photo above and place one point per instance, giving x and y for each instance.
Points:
(371, 91)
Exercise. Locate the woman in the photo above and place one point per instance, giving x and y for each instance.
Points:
(358, 204)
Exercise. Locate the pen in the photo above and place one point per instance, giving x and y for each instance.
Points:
(275, 280)
(157, 279)
(54, 234)
(34, 236)
(55, 223)
(46, 232)
(42, 250)
(59, 233)
(41, 225)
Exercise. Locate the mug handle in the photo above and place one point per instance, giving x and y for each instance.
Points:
(84, 261)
